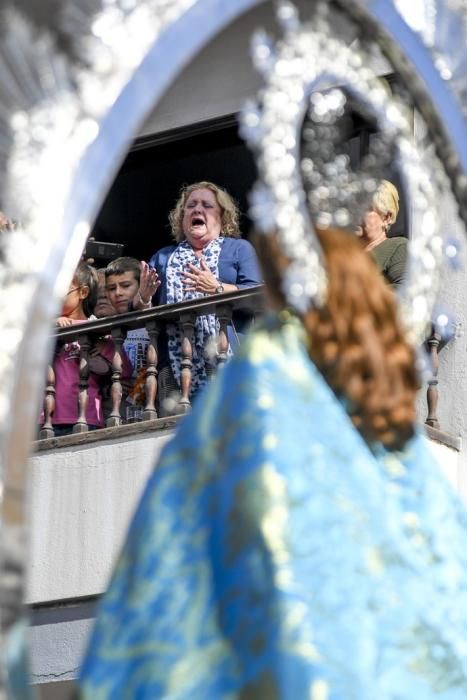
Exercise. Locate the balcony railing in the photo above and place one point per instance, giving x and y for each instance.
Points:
(184, 314)
(434, 345)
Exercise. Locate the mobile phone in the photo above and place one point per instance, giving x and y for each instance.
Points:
(101, 250)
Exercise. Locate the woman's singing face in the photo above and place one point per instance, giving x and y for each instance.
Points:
(202, 218)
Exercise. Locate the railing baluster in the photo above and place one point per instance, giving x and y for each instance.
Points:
(224, 314)
(116, 392)
(187, 323)
(151, 371)
(185, 315)
(81, 425)
(432, 393)
(47, 430)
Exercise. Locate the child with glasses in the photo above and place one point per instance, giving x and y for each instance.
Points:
(78, 306)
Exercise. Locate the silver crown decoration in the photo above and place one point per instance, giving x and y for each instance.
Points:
(300, 74)
(338, 191)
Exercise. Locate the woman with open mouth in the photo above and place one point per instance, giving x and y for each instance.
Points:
(209, 258)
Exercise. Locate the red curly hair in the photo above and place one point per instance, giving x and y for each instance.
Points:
(356, 339)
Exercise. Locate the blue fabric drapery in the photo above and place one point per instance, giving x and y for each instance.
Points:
(275, 555)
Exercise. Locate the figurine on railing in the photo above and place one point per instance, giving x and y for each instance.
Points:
(73, 402)
(209, 258)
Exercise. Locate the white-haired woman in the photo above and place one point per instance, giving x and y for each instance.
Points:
(390, 254)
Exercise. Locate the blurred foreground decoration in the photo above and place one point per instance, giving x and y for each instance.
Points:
(300, 74)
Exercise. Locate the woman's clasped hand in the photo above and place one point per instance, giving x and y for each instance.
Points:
(200, 279)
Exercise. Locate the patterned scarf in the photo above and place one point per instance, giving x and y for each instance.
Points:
(206, 327)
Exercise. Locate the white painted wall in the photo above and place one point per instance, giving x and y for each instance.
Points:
(452, 375)
(57, 641)
(219, 80)
(449, 462)
(81, 501)
(452, 407)
(216, 82)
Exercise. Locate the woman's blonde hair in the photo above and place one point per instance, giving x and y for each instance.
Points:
(386, 201)
(230, 214)
(355, 339)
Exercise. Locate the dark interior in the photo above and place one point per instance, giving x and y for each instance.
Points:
(136, 209)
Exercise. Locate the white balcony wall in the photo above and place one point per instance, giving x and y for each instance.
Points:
(452, 375)
(82, 499)
(450, 462)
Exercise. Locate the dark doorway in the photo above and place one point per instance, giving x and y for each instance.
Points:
(136, 209)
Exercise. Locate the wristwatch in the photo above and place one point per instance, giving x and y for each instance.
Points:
(220, 288)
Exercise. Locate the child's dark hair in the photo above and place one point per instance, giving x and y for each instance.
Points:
(121, 265)
(86, 276)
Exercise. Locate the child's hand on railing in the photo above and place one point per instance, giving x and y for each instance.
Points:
(63, 322)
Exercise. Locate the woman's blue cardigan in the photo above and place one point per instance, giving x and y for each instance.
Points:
(237, 265)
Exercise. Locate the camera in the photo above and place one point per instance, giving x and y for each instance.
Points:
(102, 251)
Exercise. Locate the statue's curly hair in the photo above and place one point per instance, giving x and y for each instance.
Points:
(229, 210)
(356, 339)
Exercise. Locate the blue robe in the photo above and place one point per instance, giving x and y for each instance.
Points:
(276, 556)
